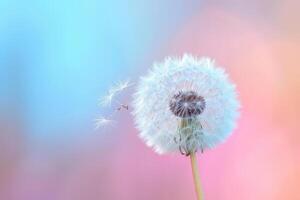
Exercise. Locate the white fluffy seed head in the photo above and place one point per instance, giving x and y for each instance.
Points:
(215, 98)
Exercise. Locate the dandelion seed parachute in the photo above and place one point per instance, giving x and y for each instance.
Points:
(113, 91)
(187, 88)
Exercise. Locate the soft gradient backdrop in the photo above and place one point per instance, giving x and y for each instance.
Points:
(58, 57)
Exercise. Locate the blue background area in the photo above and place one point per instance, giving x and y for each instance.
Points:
(58, 57)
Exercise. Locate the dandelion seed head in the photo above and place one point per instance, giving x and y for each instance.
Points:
(187, 88)
(187, 104)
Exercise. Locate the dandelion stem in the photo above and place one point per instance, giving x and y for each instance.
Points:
(192, 153)
(196, 176)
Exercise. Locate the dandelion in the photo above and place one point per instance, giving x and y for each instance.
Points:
(102, 122)
(185, 105)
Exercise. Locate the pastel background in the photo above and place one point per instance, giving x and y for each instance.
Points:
(58, 57)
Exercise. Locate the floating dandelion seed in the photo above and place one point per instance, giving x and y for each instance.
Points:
(113, 91)
(109, 98)
(185, 105)
(106, 100)
(123, 85)
(102, 121)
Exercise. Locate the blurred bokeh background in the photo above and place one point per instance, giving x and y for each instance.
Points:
(58, 57)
